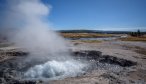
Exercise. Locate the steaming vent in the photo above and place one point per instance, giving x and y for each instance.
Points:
(48, 52)
(81, 63)
(20, 71)
(55, 70)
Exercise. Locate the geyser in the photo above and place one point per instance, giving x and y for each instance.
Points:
(33, 34)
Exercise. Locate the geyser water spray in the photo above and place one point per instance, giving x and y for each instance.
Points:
(33, 34)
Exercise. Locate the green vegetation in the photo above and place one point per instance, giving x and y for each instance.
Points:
(137, 34)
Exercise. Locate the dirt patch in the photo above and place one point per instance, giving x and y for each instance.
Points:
(137, 49)
(138, 75)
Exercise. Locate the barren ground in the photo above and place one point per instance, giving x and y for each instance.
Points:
(121, 49)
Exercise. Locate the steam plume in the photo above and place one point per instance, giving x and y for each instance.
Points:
(33, 34)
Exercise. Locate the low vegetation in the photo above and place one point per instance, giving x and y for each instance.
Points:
(85, 35)
(131, 38)
(86, 41)
(137, 34)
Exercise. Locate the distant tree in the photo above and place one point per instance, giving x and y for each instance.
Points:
(136, 34)
(132, 33)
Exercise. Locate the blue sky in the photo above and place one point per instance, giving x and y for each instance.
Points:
(97, 14)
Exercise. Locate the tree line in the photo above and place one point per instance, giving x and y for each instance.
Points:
(138, 33)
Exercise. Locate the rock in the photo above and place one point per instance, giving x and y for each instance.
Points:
(87, 54)
(94, 54)
(2, 81)
(97, 56)
(116, 61)
(25, 82)
(13, 53)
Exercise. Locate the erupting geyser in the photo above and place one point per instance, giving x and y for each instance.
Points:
(34, 36)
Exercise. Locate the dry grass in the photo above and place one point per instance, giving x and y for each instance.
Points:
(91, 41)
(84, 35)
(86, 41)
(130, 38)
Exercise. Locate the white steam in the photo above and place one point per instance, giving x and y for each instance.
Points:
(54, 70)
(34, 35)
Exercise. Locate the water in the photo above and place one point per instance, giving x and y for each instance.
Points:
(55, 70)
(100, 39)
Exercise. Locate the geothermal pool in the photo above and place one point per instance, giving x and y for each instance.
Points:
(17, 70)
(55, 70)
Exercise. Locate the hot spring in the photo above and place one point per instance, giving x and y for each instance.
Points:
(56, 70)
(49, 55)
